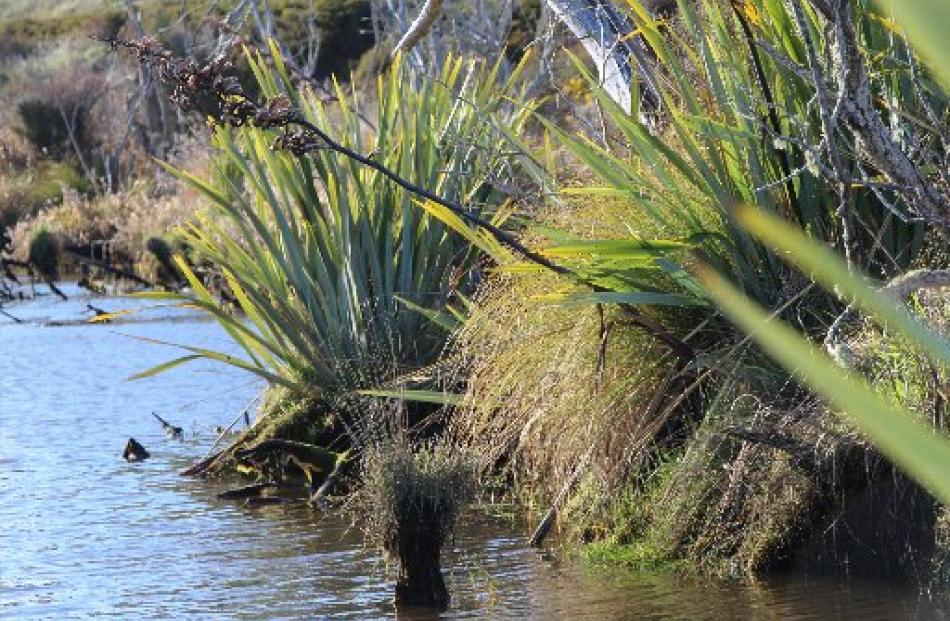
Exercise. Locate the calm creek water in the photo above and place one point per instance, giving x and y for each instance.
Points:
(85, 535)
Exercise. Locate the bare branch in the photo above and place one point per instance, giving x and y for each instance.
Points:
(420, 26)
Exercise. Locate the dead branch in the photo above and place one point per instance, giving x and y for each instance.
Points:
(854, 106)
(419, 27)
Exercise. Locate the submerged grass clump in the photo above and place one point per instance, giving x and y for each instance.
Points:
(411, 500)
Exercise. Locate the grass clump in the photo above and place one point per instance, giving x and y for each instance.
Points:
(411, 499)
(772, 484)
(547, 391)
(553, 387)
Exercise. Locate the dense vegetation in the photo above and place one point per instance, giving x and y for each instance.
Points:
(612, 307)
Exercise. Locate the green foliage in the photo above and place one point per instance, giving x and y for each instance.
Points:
(316, 249)
(640, 555)
(717, 147)
(925, 22)
(45, 183)
(922, 453)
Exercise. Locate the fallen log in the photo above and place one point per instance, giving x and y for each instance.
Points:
(248, 491)
(78, 256)
(202, 466)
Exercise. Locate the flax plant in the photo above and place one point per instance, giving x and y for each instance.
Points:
(327, 258)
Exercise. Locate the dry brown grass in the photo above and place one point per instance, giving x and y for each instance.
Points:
(551, 388)
(538, 397)
(126, 219)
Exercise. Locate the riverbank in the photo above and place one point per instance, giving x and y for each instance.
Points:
(638, 319)
(117, 537)
(113, 537)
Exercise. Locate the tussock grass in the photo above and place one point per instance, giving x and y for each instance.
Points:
(414, 487)
(766, 485)
(537, 396)
(551, 387)
(411, 499)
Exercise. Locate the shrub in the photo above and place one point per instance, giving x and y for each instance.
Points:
(717, 143)
(44, 253)
(44, 127)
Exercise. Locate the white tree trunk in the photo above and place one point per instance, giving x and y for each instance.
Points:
(607, 36)
(605, 33)
(420, 26)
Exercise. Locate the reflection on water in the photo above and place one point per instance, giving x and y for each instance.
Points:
(86, 535)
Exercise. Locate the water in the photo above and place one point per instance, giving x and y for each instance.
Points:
(86, 535)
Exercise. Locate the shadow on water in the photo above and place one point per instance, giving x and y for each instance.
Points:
(85, 534)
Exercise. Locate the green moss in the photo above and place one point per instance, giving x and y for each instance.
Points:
(641, 555)
(287, 416)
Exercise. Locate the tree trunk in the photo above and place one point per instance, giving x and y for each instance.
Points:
(416, 545)
(607, 37)
(606, 34)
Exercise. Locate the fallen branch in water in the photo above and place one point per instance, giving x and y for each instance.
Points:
(52, 287)
(211, 457)
(202, 466)
(78, 256)
(7, 272)
(6, 314)
(29, 268)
